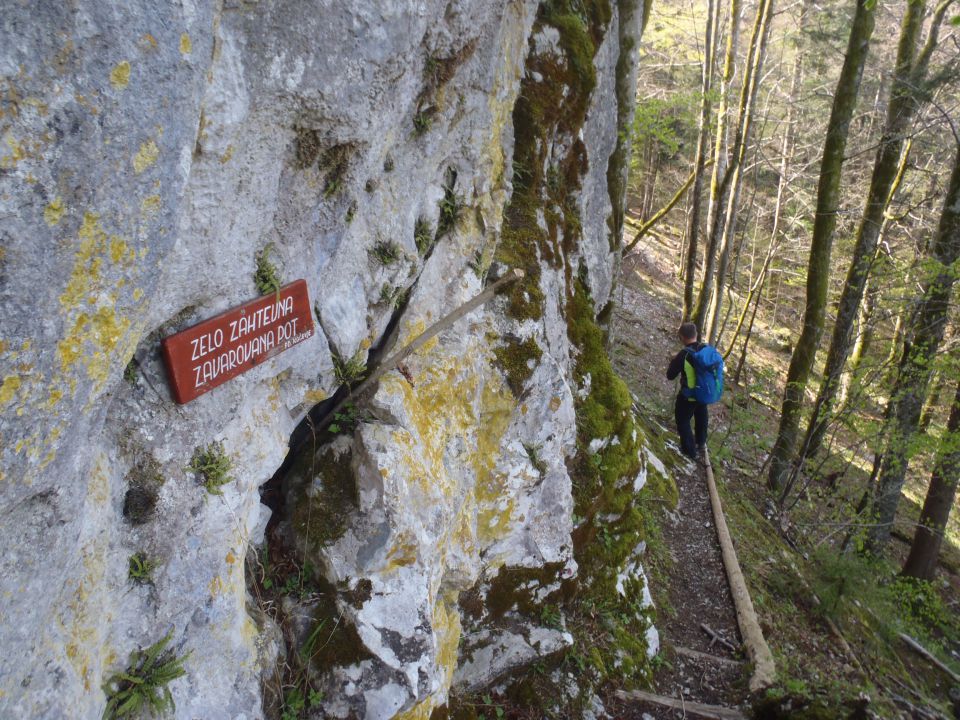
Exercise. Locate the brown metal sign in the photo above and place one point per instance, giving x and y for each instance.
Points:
(206, 355)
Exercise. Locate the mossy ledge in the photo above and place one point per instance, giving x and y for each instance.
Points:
(541, 221)
(603, 607)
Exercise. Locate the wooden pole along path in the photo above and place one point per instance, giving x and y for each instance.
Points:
(764, 671)
(687, 707)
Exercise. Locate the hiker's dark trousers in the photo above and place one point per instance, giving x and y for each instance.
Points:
(685, 410)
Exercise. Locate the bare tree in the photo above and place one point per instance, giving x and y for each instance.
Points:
(922, 339)
(825, 221)
(908, 87)
(922, 560)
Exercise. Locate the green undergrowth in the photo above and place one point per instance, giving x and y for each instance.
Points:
(799, 595)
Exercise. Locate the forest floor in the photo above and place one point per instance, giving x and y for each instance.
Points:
(832, 620)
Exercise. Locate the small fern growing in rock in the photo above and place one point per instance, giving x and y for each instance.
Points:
(348, 371)
(212, 467)
(386, 252)
(266, 278)
(422, 122)
(140, 569)
(423, 235)
(143, 685)
(451, 207)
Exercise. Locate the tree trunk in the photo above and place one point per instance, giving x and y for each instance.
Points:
(825, 222)
(908, 80)
(930, 404)
(748, 334)
(921, 343)
(727, 221)
(719, 177)
(703, 134)
(657, 216)
(922, 560)
(863, 342)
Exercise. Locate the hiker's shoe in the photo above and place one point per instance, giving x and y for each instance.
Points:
(702, 456)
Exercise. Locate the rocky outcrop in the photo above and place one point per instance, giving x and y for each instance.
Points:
(396, 155)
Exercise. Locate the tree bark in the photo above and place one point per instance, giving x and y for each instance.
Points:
(719, 178)
(862, 345)
(703, 133)
(909, 77)
(786, 155)
(727, 221)
(921, 342)
(922, 560)
(825, 222)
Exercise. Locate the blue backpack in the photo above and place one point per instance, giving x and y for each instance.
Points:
(708, 365)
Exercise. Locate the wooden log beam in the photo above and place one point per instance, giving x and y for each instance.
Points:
(706, 657)
(921, 650)
(708, 712)
(764, 672)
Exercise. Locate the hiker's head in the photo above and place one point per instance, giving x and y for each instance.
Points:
(687, 333)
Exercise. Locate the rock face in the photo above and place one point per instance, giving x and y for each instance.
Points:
(396, 155)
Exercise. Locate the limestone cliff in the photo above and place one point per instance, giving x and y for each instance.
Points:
(157, 160)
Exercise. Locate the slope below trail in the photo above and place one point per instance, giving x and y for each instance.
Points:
(691, 591)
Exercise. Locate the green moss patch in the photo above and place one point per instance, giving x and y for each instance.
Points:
(322, 508)
(516, 588)
(612, 520)
(143, 490)
(518, 359)
(333, 640)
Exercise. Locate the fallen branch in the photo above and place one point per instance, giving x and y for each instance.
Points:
(916, 712)
(764, 671)
(697, 655)
(921, 650)
(709, 712)
(662, 211)
(715, 637)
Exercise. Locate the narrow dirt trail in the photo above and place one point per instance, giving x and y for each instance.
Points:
(696, 591)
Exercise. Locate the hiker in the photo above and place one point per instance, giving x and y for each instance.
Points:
(687, 406)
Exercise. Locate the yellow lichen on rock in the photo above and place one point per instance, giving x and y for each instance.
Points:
(17, 153)
(494, 508)
(120, 75)
(150, 206)
(146, 156)
(94, 330)
(447, 628)
(53, 213)
(315, 396)
(8, 390)
(215, 587)
(84, 617)
(186, 46)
